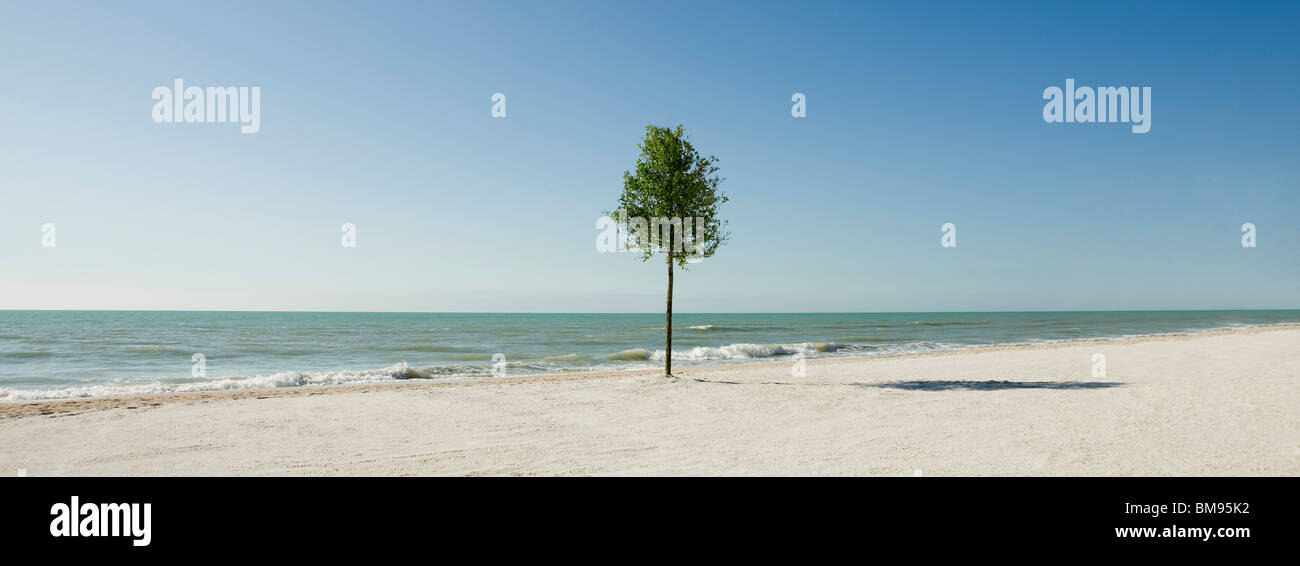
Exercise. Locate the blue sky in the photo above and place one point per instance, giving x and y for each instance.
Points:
(918, 114)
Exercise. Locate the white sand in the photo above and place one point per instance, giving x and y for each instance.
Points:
(1213, 404)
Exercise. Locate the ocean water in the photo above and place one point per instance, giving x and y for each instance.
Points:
(68, 354)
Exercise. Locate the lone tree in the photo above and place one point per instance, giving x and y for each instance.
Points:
(670, 205)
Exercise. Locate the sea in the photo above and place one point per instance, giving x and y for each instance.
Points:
(78, 354)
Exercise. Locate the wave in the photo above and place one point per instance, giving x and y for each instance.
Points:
(950, 322)
(479, 365)
(273, 381)
(855, 339)
(634, 354)
(566, 358)
(901, 348)
(156, 350)
(443, 371)
(434, 348)
(592, 341)
(742, 327)
(28, 354)
(276, 351)
(746, 351)
(400, 371)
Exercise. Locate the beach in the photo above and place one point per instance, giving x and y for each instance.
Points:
(1222, 402)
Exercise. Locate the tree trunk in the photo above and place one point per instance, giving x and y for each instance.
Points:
(668, 342)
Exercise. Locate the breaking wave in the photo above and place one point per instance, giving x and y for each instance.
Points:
(745, 351)
(283, 379)
(635, 354)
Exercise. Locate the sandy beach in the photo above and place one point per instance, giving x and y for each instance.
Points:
(1214, 403)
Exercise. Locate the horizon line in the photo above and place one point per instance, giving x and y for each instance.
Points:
(1220, 309)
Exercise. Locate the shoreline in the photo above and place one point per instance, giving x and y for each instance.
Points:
(1211, 403)
(57, 407)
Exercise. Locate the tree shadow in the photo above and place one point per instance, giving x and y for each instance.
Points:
(991, 385)
(937, 385)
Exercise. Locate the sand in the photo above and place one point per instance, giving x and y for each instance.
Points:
(1215, 403)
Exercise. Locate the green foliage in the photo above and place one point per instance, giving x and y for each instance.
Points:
(674, 183)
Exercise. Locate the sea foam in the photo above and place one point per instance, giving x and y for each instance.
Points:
(282, 379)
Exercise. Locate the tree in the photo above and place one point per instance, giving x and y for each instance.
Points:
(670, 205)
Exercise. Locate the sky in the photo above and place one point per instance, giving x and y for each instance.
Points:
(380, 115)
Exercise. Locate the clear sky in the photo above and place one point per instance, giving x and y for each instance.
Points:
(379, 114)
